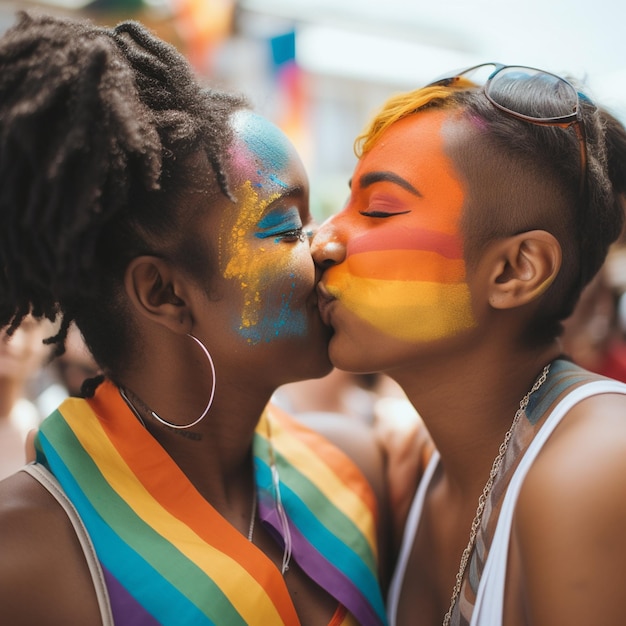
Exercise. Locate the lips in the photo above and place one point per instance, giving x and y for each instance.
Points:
(324, 303)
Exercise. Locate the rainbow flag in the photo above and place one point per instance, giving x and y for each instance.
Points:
(169, 557)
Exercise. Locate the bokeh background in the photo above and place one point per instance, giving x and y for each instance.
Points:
(319, 68)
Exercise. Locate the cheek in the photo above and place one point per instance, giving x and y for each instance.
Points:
(277, 308)
(274, 283)
(410, 294)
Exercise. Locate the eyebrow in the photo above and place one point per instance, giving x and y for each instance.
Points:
(376, 177)
(296, 192)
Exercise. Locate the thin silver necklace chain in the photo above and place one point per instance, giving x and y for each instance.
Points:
(482, 500)
(137, 414)
(253, 516)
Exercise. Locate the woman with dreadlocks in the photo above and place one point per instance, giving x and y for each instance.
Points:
(169, 222)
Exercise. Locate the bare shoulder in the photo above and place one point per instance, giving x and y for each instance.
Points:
(587, 447)
(43, 574)
(570, 518)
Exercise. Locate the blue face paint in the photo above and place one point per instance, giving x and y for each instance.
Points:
(274, 274)
(277, 181)
(281, 222)
(266, 142)
(284, 323)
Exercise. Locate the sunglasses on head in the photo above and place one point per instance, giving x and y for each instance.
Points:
(501, 83)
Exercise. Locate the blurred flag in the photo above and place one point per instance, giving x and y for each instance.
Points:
(291, 88)
(202, 26)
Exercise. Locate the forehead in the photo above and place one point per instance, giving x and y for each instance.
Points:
(416, 137)
(258, 141)
(415, 149)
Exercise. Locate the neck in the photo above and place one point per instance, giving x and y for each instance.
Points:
(468, 408)
(216, 453)
(231, 489)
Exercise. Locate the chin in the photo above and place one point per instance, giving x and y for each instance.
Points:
(347, 360)
(361, 357)
(317, 366)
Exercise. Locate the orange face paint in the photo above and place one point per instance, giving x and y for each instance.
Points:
(404, 272)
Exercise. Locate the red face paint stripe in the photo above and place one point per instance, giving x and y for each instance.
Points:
(449, 246)
(406, 265)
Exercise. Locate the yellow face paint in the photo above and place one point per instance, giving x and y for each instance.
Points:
(246, 263)
(262, 247)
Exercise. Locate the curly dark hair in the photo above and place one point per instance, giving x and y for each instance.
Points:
(99, 129)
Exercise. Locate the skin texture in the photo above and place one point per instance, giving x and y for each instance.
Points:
(464, 364)
(256, 311)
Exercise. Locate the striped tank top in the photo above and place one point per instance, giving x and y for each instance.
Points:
(481, 599)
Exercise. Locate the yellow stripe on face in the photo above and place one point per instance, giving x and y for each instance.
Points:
(407, 310)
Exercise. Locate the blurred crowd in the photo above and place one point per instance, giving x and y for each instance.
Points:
(32, 385)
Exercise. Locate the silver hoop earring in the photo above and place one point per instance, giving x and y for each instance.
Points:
(208, 406)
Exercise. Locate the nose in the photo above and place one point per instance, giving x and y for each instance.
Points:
(328, 247)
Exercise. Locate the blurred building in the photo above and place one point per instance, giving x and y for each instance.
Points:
(319, 68)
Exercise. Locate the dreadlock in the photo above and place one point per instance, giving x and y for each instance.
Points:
(96, 128)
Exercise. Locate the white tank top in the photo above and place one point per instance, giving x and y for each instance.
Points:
(489, 606)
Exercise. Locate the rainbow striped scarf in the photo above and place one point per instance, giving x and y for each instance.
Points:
(169, 557)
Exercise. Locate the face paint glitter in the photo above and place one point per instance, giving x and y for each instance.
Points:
(265, 273)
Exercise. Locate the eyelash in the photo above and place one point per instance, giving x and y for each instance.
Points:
(295, 234)
(382, 214)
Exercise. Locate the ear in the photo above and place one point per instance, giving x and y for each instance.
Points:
(158, 293)
(525, 266)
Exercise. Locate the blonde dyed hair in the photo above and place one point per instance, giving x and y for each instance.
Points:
(402, 105)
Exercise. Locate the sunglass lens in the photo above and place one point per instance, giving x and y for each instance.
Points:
(533, 93)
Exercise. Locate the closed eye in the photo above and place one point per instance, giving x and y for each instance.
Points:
(282, 225)
(296, 234)
(289, 234)
(382, 214)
